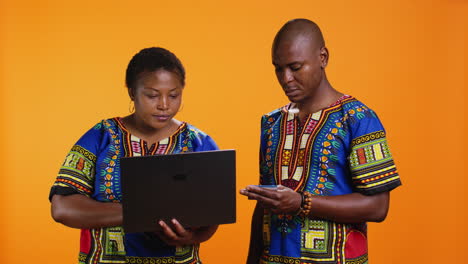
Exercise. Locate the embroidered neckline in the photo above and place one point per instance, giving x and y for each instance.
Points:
(139, 147)
(293, 166)
(289, 108)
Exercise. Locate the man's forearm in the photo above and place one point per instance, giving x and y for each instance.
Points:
(351, 208)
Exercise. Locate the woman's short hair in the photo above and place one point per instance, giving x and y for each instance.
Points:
(152, 59)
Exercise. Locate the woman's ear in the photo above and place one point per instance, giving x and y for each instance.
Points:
(131, 93)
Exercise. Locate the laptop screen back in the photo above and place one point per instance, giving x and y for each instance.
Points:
(197, 189)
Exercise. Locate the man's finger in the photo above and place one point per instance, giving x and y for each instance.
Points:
(267, 192)
(263, 200)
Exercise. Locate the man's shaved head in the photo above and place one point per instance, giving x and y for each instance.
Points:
(300, 57)
(300, 27)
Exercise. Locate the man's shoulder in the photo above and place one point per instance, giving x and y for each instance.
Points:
(276, 113)
(351, 105)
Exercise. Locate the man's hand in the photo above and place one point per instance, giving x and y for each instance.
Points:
(280, 200)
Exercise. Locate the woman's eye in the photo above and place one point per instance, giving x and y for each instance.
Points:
(174, 95)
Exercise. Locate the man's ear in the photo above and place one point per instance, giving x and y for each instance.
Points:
(324, 55)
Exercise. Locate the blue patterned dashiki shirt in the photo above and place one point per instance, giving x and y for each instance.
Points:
(338, 150)
(92, 168)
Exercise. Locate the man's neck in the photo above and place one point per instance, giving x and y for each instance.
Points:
(325, 96)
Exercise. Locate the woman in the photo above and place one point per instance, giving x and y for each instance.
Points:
(87, 194)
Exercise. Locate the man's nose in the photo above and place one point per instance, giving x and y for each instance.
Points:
(287, 76)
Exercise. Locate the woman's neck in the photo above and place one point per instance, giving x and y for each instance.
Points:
(149, 134)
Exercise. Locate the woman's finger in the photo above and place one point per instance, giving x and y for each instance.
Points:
(167, 231)
(179, 229)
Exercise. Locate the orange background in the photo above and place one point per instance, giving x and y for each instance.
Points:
(62, 66)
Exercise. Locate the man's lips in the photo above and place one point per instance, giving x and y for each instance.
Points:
(291, 91)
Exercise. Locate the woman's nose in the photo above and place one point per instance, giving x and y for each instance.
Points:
(163, 103)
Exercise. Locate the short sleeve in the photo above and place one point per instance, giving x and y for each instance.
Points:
(371, 163)
(207, 144)
(77, 173)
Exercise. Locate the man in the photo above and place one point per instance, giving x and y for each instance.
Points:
(326, 161)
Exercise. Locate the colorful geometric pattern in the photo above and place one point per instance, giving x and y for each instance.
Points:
(110, 174)
(356, 247)
(92, 168)
(371, 162)
(149, 260)
(77, 171)
(107, 245)
(322, 241)
(338, 150)
(187, 254)
(272, 259)
(293, 162)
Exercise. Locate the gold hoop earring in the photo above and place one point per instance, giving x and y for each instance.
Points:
(181, 108)
(131, 107)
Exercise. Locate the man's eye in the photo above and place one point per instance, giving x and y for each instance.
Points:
(296, 67)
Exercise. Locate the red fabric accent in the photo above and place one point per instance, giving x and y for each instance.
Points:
(361, 156)
(356, 244)
(80, 164)
(290, 183)
(85, 241)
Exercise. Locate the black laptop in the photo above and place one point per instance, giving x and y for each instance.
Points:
(198, 189)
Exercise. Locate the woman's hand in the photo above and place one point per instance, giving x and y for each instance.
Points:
(177, 235)
(280, 200)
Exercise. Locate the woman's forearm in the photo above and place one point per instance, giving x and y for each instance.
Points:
(79, 211)
(204, 233)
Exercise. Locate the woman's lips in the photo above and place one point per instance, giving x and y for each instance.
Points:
(162, 118)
